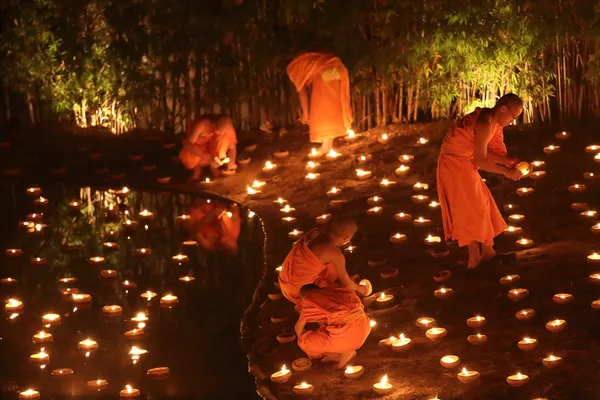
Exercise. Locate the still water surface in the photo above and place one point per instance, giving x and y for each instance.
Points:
(197, 339)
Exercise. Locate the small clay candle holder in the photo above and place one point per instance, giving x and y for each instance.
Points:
(406, 158)
(351, 136)
(112, 310)
(250, 191)
(29, 394)
(402, 217)
(433, 204)
(524, 243)
(562, 298)
(525, 191)
(436, 334)
(518, 294)
(593, 258)
(524, 167)
(385, 299)
(401, 344)
(375, 200)
(443, 293)
(422, 141)
(551, 361)
(312, 166)
(422, 222)
(97, 384)
(143, 252)
(551, 149)
(595, 304)
(81, 298)
(281, 376)
(387, 342)
(386, 183)
(564, 135)
(332, 155)
(295, 234)
(108, 273)
(402, 170)
(33, 191)
(13, 305)
(323, 219)
(354, 372)
(590, 176)
(312, 176)
(375, 211)
(350, 249)
(516, 218)
(589, 214)
(363, 159)
(577, 188)
(593, 148)
(97, 260)
(384, 138)
(41, 201)
(333, 192)
(476, 322)
(595, 278)
(510, 207)
(389, 273)
(536, 175)
(467, 376)
(127, 284)
(51, 319)
(513, 230)
(277, 319)
(61, 372)
(442, 276)
(314, 154)
(286, 338)
(13, 253)
(425, 323)
(87, 345)
(186, 279)
(383, 387)
(269, 166)
(129, 392)
(288, 220)
(8, 281)
(42, 337)
(432, 240)
(134, 334)
(556, 325)
(450, 361)
(368, 285)
(517, 380)
(158, 372)
(301, 364)
(287, 209)
(419, 198)
(597, 158)
(420, 187)
(169, 300)
(377, 261)
(525, 314)
(67, 293)
(303, 389)
(477, 339)
(362, 174)
(527, 344)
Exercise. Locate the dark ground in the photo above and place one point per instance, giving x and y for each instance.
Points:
(556, 264)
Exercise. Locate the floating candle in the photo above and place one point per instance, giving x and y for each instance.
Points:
(282, 375)
(333, 192)
(434, 204)
(431, 240)
(450, 361)
(524, 242)
(354, 372)
(477, 339)
(562, 298)
(112, 310)
(42, 357)
(518, 294)
(516, 218)
(323, 219)
(61, 372)
(129, 392)
(524, 191)
(97, 384)
(269, 167)
(436, 333)
(303, 388)
(287, 209)
(476, 322)
(51, 319)
(517, 380)
(513, 230)
(168, 300)
(538, 175)
(375, 200)
(398, 238)
(589, 214)
(13, 252)
(87, 345)
(551, 361)
(383, 387)
(556, 325)
(510, 207)
(29, 394)
(386, 183)
(158, 372)
(425, 322)
(443, 293)
(402, 217)
(13, 305)
(551, 149)
(422, 222)
(527, 344)
(181, 258)
(362, 174)
(311, 176)
(525, 314)
(187, 279)
(42, 337)
(564, 135)
(593, 258)
(422, 141)
(97, 260)
(402, 170)
(401, 344)
(593, 148)
(419, 198)
(375, 210)
(295, 234)
(108, 273)
(288, 220)
(466, 376)
(577, 188)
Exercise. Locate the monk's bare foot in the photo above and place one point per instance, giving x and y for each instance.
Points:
(345, 359)
(331, 357)
(474, 261)
(488, 252)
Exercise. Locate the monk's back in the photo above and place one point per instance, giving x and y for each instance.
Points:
(460, 140)
(320, 245)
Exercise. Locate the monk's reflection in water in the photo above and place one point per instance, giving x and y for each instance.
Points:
(215, 226)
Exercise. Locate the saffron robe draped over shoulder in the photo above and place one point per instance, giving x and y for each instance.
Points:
(344, 324)
(330, 110)
(469, 211)
(302, 266)
(202, 143)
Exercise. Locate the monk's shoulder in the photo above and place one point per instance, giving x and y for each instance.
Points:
(483, 122)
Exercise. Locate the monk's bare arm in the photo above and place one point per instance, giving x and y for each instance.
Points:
(335, 255)
(483, 135)
(304, 103)
(300, 324)
(498, 159)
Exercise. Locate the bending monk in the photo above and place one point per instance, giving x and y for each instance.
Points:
(316, 258)
(214, 227)
(209, 144)
(469, 212)
(330, 113)
(344, 325)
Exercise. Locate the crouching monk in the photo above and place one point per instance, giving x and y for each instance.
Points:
(209, 144)
(469, 212)
(215, 227)
(317, 259)
(344, 326)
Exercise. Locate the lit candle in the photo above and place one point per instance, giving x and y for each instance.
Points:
(419, 198)
(29, 394)
(207, 182)
(402, 217)
(134, 333)
(110, 245)
(87, 345)
(597, 158)
(269, 167)
(97, 384)
(527, 344)
(351, 136)
(311, 176)
(477, 339)
(183, 218)
(420, 186)
(295, 234)
(333, 192)
(180, 258)
(476, 322)
(383, 387)
(516, 218)
(443, 293)
(524, 191)
(13, 305)
(517, 380)
(42, 357)
(168, 300)
(323, 219)
(38, 261)
(354, 372)
(108, 273)
(513, 230)
(596, 304)
(158, 372)
(187, 279)
(384, 139)
(590, 175)
(13, 252)
(129, 224)
(136, 352)
(593, 258)
(40, 201)
(401, 344)
(332, 154)
(366, 283)
(375, 210)
(129, 392)
(251, 191)
(562, 298)
(288, 220)
(388, 341)
(402, 170)
(145, 214)
(577, 188)
(42, 337)
(432, 240)
(398, 238)
(406, 158)
(68, 292)
(589, 214)
(450, 361)
(362, 174)
(551, 361)
(127, 284)
(287, 209)
(425, 322)
(386, 183)
(556, 325)
(363, 159)
(51, 319)
(422, 222)
(350, 249)
(551, 149)
(524, 242)
(312, 166)
(314, 154)
(593, 148)
(525, 314)
(8, 281)
(435, 334)
(282, 375)
(538, 175)
(524, 167)
(385, 299)
(510, 207)
(303, 388)
(97, 260)
(466, 376)
(60, 372)
(434, 204)
(251, 214)
(564, 135)
(422, 141)
(518, 294)
(112, 310)
(139, 317)
(143, 251)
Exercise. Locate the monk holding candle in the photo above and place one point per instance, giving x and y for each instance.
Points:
(329, 114)
(469, 212)
(209, 143)
(317, 259)
(344, 326)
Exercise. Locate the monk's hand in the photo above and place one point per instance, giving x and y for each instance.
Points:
(511, 162)
(304, 119)
(299, 328)
(513, 174)
(362, 290)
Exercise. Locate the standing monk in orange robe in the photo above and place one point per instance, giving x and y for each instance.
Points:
(330, 113)
(316, 258)
(344, 324)
(469, 212)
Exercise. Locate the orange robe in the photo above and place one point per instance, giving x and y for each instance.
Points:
(330, 110)
(202, 145)
(344, 325)
(469, 211)
(220, 234)
(302, 266)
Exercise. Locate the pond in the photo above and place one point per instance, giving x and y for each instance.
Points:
(95, 257)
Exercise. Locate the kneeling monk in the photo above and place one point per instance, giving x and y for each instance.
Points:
(316, 258)
(469, 212)
(344, 324)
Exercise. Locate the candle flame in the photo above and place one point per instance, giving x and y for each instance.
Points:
(384, 379)
(304, 385)
(284, 369)
(372, 323)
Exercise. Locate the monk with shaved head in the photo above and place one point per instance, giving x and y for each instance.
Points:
(343, 324)
(316, 258)
(469, 212)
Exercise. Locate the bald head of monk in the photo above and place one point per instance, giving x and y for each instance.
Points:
(508, 108)
(224, 123)
(341, 231)
(304, 290)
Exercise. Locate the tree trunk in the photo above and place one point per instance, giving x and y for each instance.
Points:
(31, 109)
